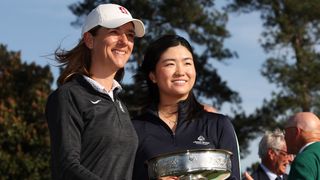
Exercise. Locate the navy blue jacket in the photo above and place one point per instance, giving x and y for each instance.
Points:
(260, 174)
(209, 130)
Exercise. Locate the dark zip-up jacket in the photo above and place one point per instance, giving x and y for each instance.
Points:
(209, 130)
(260, 174)
(92, 137)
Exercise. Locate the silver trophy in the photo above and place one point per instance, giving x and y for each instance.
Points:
(197, 164)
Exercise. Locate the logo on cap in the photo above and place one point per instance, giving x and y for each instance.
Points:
(123, 10)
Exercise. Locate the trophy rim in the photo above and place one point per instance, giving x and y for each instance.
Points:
(179, 152)
(160, 170)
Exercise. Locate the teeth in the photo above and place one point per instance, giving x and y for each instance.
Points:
(179, 81)
(119, 52)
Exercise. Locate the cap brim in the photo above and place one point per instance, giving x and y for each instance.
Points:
(138, 25)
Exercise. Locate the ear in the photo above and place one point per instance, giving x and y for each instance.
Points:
(271, 154)
(88, 39)
(299, 131)
(152, 77)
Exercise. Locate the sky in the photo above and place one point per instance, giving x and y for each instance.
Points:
(38, 27)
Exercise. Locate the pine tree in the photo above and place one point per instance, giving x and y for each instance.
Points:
(291, 37)
(24, 136)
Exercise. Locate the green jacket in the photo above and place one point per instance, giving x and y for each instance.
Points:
(306, 165)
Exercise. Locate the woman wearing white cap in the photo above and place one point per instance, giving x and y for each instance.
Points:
(90, 129)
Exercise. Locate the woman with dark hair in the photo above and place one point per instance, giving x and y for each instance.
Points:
(174, 120)
(92, 137)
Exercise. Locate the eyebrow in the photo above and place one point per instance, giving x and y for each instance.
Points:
(188, 58)
(130, 29)
(173, 59)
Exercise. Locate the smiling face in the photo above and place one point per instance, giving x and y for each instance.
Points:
(110, 48)
(174, 73)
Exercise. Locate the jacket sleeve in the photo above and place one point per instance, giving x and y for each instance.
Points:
(65, 125)
(227, 139)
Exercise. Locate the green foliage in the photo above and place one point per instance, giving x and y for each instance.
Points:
(198, 21)
(291, 36)
(24, 138)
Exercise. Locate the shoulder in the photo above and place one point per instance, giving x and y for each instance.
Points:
(304, 165)
(259, 174)
(209, 108)
(217, 118)
(66, 93)
(220, 125)
(306, 162)
(144, 125)
(312, 148)
(311, 152)
(74, 86)
(140, 121)
(307, 157)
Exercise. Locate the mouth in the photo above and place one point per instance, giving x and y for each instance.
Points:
(285, 165)
(119, 52)
(179, 81)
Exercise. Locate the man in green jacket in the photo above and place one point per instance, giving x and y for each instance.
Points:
(302, 135)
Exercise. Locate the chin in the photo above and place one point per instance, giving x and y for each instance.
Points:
(181, 92)
(182, 96)
(120, 65)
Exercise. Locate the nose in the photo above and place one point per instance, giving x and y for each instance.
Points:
(123, 39)
(179, 70)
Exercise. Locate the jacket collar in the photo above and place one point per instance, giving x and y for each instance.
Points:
(182, 111)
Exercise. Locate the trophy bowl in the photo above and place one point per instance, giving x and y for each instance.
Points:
(196, 164)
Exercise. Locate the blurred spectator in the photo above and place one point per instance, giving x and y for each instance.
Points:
(302, 135)
(274, 158)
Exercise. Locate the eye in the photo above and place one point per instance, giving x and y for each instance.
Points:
(188, 62)
(130, 35)
(169, 64)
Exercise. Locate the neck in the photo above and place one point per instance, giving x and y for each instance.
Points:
(169, 114)
(172, 101)
(308, 138)
(268, 164)
(106, 82)
(101, 71)
(168, 106)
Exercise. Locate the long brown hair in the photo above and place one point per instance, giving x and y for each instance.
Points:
(75, 61)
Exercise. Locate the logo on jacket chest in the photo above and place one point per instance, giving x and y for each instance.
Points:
(120, 106)
(201, 141)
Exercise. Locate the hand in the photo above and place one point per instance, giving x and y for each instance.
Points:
(209, 108)
(247, 176)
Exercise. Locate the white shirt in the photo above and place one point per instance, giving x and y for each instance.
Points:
(98, 87)
(270, 174)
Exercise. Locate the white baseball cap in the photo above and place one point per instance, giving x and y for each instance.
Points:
(111, 16)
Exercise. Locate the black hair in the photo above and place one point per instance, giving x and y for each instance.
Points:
(152, 55)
